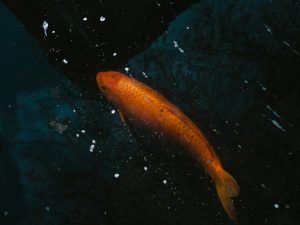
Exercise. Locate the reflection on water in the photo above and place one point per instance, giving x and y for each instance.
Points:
(67, 158)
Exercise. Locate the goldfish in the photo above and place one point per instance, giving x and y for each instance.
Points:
(145, 107)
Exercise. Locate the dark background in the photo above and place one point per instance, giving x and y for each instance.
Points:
(235, 72)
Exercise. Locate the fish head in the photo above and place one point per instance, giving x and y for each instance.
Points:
(107, 82)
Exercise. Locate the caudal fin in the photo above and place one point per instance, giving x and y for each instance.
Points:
(227, 188)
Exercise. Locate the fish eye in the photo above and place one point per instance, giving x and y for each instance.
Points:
(114, 76)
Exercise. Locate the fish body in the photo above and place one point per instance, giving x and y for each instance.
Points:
(147, 108)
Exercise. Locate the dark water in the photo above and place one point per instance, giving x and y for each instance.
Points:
(66, 157)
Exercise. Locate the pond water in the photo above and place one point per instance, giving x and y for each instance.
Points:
(66, 157)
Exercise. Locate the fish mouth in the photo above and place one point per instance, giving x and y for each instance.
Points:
(99, 76)
(108, 79)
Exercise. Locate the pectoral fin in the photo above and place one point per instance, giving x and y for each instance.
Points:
(122, 117)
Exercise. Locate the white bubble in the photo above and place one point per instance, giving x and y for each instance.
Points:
(145, 168)
(113, 111)
(84, 19)
(165, 181)
(276, 206)
(102, 18)
(65, 61)
(116, 175)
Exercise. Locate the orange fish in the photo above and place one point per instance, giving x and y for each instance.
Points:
(145, 107)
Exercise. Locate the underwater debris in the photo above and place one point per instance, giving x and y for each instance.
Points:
(92, 147)
(57, 126)
(144, 74)
(290, 47)
(45, 27)
(177, 46)
(275, 123)
(268, 28)
(273, 111)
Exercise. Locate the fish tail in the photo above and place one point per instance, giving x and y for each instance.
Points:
(227, 188)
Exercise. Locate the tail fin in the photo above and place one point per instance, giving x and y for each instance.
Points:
(227, 188)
